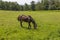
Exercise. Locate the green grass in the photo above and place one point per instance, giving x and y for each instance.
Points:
(48, 25)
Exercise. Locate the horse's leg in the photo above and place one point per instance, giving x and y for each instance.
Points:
(29, 26)
(21, 23)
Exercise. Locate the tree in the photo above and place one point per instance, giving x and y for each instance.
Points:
(33, 5)
(21, 8)
(0, 4)
(45, 4)
(0, 0)
(26, 7)
(38, 6)
(9, 5)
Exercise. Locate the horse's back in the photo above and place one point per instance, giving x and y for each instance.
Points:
(23, 18)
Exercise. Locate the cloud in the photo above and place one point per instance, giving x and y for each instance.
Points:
(21, 1)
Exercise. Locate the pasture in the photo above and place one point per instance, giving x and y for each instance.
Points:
(48, 25)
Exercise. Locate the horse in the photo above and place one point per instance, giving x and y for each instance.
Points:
(28, 19)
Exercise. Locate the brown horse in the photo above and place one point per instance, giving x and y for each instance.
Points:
(27, 19)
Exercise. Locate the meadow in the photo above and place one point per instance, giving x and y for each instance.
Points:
(48, 25)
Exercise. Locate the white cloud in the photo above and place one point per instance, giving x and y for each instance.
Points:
(10, 0)
(21, 1)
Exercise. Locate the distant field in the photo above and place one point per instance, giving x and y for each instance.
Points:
(48, 25)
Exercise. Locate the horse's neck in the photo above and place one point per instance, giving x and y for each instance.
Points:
(33, 22)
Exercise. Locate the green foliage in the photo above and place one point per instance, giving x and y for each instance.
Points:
(48, 26)
(51, 4)
(43, 5)
(39, 6)
(9, 5)
(26, 7)
(33, 6)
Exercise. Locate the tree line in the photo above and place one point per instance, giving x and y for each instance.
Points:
(43, 5)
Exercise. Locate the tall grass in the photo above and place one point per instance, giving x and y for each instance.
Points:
(48, 25)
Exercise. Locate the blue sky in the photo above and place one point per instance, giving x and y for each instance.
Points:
(22, 1)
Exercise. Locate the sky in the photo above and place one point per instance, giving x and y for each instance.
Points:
(22, 2)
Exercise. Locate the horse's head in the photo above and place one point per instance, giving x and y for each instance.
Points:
(35, 26)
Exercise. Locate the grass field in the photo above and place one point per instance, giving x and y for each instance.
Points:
(48, 25)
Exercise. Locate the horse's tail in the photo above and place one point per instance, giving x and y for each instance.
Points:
(19, 18)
